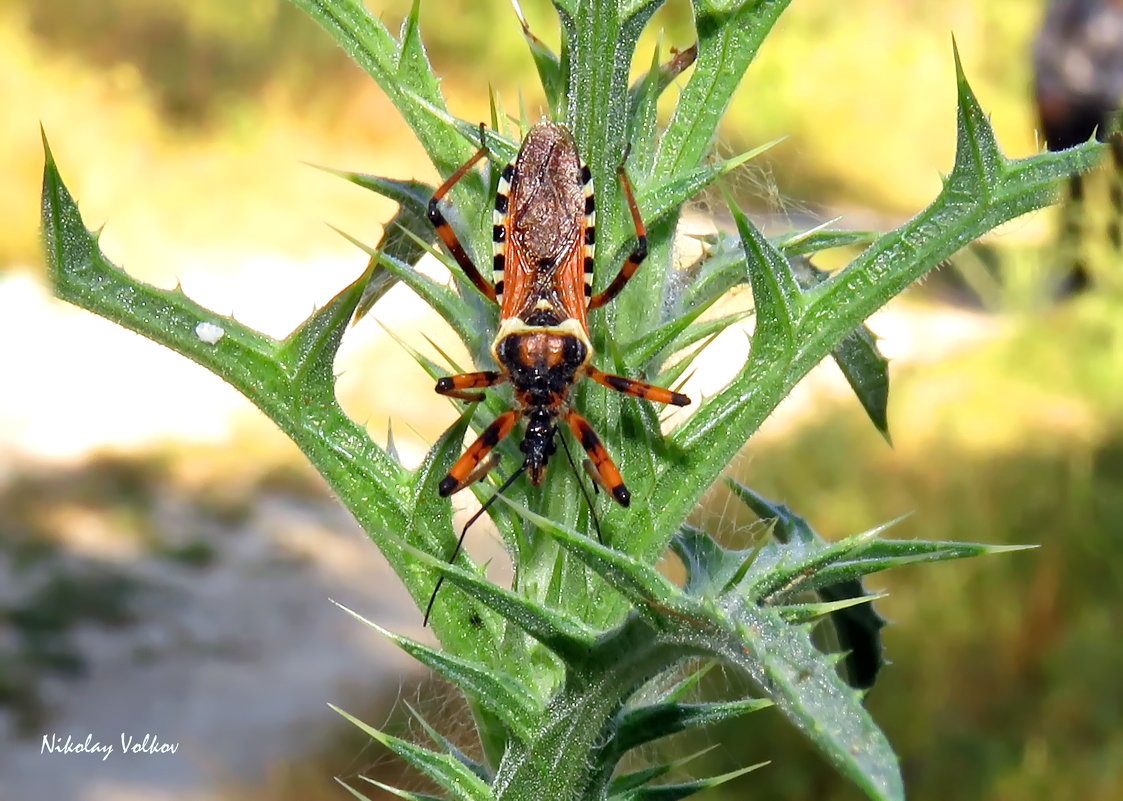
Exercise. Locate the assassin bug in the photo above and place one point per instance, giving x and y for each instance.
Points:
(544, 234)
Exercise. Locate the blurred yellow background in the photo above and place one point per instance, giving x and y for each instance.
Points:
(181, 126)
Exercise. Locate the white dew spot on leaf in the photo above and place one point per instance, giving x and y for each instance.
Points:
(209, 332)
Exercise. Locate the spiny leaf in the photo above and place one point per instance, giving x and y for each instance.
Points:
(406, 794)
(805, 686)
(672, 374)
(412, 195)
(81, 274)
(412, 198)
(858, 631)
(629, 781)
(857, 356)
(424, 362)
(881, 555)
(857, 627)
(673, 792)
(500, 148)
(308, 353)
(660, 202)
(710, 568)
(567, 637)
(448, 746)
(779, 571)
(402, 71)
(641, 352)
(810, 612)
(804, 243)
(729, 34)
(441, 299)
(500, 694)
(679, 690)
(642, 106)
(721, 267)
(776, 295)
(706, 329)
(790, 527)
(551, 72)
(244, 358)
(962, 212)
(355, 793)
(441, 768)
(867, 372)
(643, 100)
(977, 155)
(642, 584)
(380, 282)
(651, 722)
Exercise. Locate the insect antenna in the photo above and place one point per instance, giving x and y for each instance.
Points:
(581, 484)
(487, 504)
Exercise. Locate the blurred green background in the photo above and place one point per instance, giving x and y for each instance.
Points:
(182, 121)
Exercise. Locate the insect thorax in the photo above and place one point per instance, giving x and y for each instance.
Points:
(543, 360)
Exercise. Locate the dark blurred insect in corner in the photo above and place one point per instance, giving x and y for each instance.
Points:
(544, 234)
(1078, 91)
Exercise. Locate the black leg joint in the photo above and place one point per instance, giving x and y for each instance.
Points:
(639, 252)
(435, 215)
(447, 485)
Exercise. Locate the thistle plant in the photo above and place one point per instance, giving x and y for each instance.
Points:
(593, 652)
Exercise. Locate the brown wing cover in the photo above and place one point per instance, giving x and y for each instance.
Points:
(544, 230)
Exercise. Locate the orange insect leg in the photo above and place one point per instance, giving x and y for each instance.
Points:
(455, 385)
(639, 253)
(465, 467)
(607, 474)
(629, 386)
(445, 232)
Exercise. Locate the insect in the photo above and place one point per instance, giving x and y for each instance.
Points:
(544, 235)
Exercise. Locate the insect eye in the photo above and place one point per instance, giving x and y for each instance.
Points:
(575, 350)
(507, 349)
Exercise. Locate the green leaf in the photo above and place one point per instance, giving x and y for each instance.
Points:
(729, 34)
(624, 782)
(551, 71)
(710, 569)
(406, 794)
(449, 748)
(244, 358)
(355, 793)
(643, 100)
(776, 294)
(444, 769)
(412, 198)
(441, 299)
(810, 612)
(401, 70)
(651, 722)
(817, 239)
(865, 369)
(867, 372)
(881, 555)
(805, 686)
(559, 657)
(308, 353)
(673, 792)
(857, 627)
(568, 638)
(645, 586)
(722, 266)
(646, 350)
(502, 695)
(971, 203)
